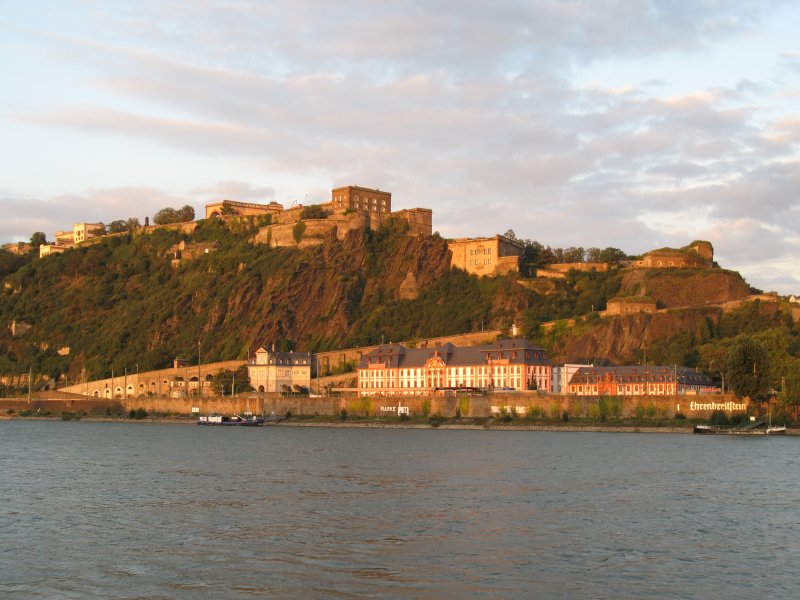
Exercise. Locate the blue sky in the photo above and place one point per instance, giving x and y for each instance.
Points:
(604, 123)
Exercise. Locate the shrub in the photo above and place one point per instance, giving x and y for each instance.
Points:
(738, 418)
(718, 417)
(536, 412)
(137, 414)
(314, 211)
(565, 416)
(343, 414)
(436, 420)
(680, 416)
(298, 230)
(463, 406)
(404, 417)
(288, 414)
(426, 407)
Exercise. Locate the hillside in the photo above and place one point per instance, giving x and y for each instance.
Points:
(129, 303)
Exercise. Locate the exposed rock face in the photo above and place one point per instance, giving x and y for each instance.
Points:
(409, 289)
(320, 296)
(685, 288)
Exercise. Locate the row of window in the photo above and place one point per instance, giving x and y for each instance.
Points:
(481, 250)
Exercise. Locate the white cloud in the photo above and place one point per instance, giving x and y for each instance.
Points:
(475, 110)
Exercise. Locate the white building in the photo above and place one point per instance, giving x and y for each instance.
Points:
(274, 371)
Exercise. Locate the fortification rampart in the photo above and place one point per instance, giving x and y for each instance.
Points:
(180, 381)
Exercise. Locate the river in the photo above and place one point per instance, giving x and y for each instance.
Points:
(133, 510)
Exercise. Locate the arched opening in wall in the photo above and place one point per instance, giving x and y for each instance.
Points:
(95, 393)
(118, 392)
(261, 388)
(214, 215)
(130, 390)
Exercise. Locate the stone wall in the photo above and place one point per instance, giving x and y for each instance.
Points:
(584, 267)
(160, 383)
(520, 404)
(315, 233)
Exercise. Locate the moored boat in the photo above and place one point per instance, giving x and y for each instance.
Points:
(759, 428)
(231, 421)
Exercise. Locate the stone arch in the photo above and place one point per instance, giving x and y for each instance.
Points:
(261, 388)
(95, 393)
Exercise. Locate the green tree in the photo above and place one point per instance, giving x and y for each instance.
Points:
(38, 238)
(121, 225)
(169, 215)
(227, 381)
(747, 368)
(314, 211)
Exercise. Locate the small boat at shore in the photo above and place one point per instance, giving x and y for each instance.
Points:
(755, 429)
(235, 420)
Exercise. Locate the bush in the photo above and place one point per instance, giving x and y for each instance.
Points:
(404, 417)
(343, 414)
(288, 414)
(314, 211)
(718, 417)
(536, 412)
(436, 420)
(680, 416)
(298, 230)
(565, 416)
(137, 414)
(463, 406)
(738, 418)
(426, 407)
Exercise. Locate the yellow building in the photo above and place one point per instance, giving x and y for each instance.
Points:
(274, 371)
(49, 249)
(486, 256)
(84, 231)
(353, 197)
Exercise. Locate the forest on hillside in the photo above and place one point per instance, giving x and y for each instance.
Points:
(120, 304)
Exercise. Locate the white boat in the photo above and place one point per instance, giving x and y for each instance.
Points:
(234, 420)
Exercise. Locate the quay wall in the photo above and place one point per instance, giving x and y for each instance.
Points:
(522, 404)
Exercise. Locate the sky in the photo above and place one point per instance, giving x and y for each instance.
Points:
(635, 124)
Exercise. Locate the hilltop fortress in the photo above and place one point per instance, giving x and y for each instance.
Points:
(354, 207)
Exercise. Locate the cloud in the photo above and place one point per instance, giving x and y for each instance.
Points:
(475, 110)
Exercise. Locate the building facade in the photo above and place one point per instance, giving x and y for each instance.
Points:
(274, 371)
(84, 231)
(649, 380)
(353, 197)
(512, 364)
(486, 256)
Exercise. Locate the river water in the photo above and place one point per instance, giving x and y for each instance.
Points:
(132, 510)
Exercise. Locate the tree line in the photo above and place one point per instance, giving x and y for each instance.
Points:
(165, 216)
(537, 254)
